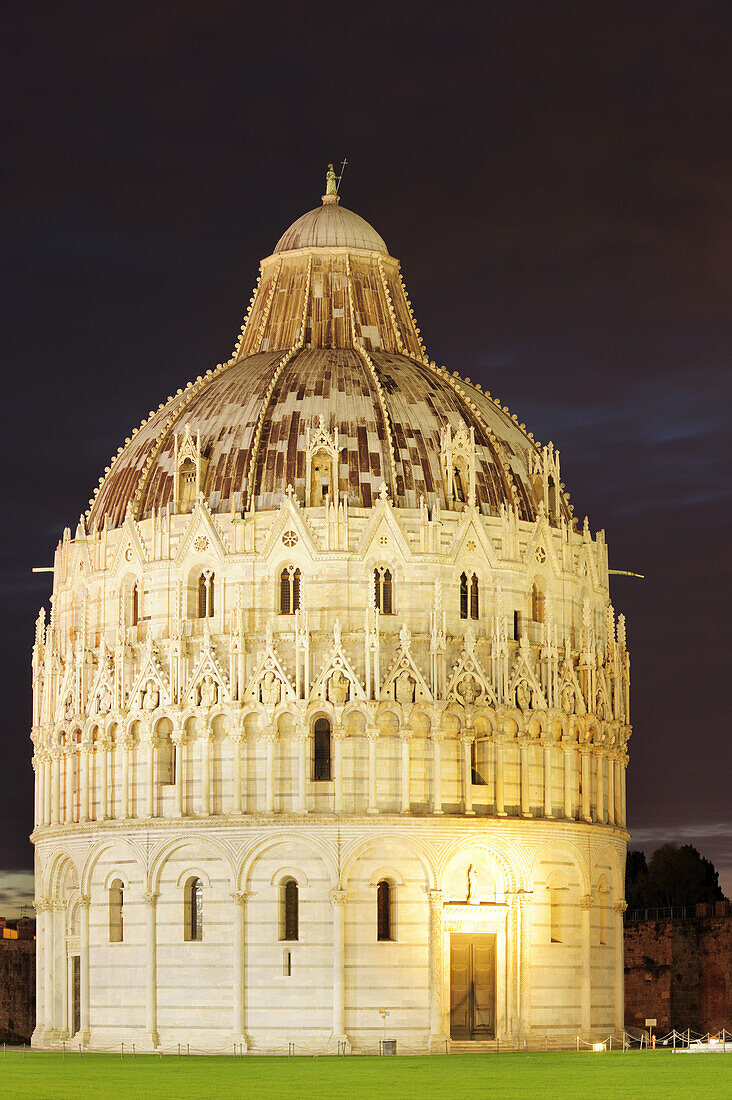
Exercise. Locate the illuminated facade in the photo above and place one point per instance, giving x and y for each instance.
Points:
(331, 712)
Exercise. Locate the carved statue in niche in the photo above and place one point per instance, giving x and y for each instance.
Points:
(151, 696)
(523, 695)
(338, 688)
(404, 688)
(472, 898)
(69, 708)
(209, 692)
(567, 697)
(271, 690)
(600, 707)
(469, 689)
(104, 702)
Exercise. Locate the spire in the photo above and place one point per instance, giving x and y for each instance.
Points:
(331, 187)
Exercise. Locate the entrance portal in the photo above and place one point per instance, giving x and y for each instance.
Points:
(472, 986)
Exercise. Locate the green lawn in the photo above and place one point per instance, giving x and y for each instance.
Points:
(649, 1075)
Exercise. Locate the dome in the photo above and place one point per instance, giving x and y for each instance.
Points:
(330, 341)
(331, 226)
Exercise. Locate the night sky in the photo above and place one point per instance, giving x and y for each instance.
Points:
(556, 180)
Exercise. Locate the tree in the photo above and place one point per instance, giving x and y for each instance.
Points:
(674, 876)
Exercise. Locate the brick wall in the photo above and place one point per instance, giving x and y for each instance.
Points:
(679, 971)
(17, 990)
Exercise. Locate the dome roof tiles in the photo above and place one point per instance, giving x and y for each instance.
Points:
(331, 226)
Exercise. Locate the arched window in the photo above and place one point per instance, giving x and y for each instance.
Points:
(206, 595)
(538, 603)
(383, 590)
(289, 910)
(479, 750)
(166, 755)
(517, 625)
(193, 900)
(321, 749)
(384, 915)
(458, 482)
(320, 478)
(116, 903)
(289, 590)
(469, 598)
(187, 476)
(135, 605)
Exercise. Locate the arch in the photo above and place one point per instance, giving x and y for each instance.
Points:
(384, 839)
(561, 850)
(557, 892)
(289, 909)
(97, 852)
(322, 733)
(289, 872)
(383, 580)
(538, 600)
(389, 872)
(58, 870)
(193, 872)
(385, 905)
(289, 580)
(193, 909)
(259, 849)
(169, 847)
(505, 859)
(617, 866)
(115, 903)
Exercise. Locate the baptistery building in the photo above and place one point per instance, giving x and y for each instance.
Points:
(331, 706)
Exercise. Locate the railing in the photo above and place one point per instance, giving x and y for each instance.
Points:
(680, 912)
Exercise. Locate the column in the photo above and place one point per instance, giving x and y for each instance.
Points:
(178, 739)
(500, 803)
(103, 758)
(236, 740)
(37, 790)
(84, 903)
(405, 734)
(437, 772)
(338, 901)
(525, 805)
(68, 786)
(523, 961)
(84, 765)
(124, 809)
(600, 784)
(269, 779)
(239, 900)
(586, 953)
(466, 742)
(437, 1027)
(372, 735)
(303, 744)
(150, 777)
(151, 985)
(548, 751)
(568, 754)
(623, 766)
(611, 790)
(56, 788)
(619, 909)
(41, 918)
(205, 788)
(585, 765)
(338, 771)
(47, 788)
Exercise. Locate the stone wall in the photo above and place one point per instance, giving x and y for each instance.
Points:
(679, 971)
(17, 990)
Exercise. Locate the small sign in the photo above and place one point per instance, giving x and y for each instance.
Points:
(384, 1012)
(651, 1023)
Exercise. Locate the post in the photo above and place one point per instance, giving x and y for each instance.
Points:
(84, 762)
(41, 918)
(103, 761)
(205, 795)
(600, 784)
(585, 765)
(466, 741)
(239, 900)
(236, 743)
(125, 780)
(303, 742)
(586, 952)
(525, 805)
(47, 787)
(437, 1030)
(436, 772)
(177, 737)
(56, 788)
(610, 790)
(619, 909)
(150, 773)
(405, 734)
(548, 752)
(338, 771)
(151, 989)
(269, 779)
(84, 902)
(372, 734)
(338, 901)
(500, 805)
(49, 962)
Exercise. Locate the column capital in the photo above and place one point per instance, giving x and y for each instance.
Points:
(372, 733)
(620, 906)
(239, 897)
(42, 905)
(467, 737)
(436, 898)
(586, 901)
(85, 901)
(338, 898)
(150, 898)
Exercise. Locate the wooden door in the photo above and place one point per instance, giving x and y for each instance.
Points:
(472, 986)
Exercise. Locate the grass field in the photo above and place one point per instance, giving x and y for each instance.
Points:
(650, 1075)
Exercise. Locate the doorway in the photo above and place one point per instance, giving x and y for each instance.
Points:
(472, 986)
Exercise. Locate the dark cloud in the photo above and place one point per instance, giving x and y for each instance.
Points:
(554, 178)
